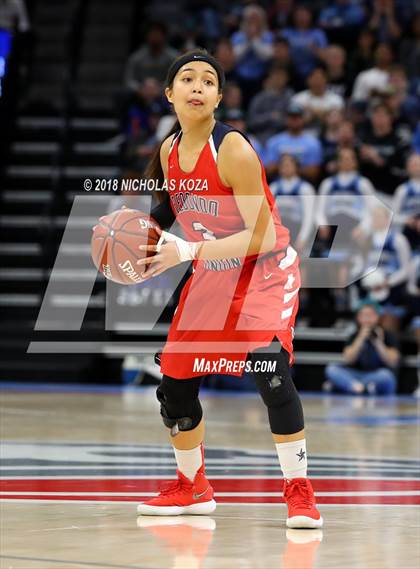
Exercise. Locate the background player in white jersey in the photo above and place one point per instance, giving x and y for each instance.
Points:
(295, 199)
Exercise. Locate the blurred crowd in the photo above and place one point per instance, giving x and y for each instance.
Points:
(329, 95)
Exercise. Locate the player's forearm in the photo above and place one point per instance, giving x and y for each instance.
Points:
(389, 355)
(352, 351)
(240, 244)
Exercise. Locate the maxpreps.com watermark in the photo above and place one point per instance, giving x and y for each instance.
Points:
(222, 365)
(127, 185)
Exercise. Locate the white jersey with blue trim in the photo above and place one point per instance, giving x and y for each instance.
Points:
(295, 199)
(344, 194)
(406, 202)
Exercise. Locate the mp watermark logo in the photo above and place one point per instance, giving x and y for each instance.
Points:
(54, 472)
(348, 258)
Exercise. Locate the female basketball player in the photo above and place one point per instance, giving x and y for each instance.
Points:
(239, 305)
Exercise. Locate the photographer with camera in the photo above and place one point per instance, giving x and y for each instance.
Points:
(370, 357)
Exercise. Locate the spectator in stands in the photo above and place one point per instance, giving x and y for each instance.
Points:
(139, 146)
(374, 81)
(371, 357)
(329, 134)
(226, 57)
(405, 107)
(406, 203)
(338, 133)
(305, 147)
(253, 49)
(413, 303)
(383, 21)
(409, 52)
(405, 11)
(416, 140)
(362, 58)
(140, 119)
(306, 42)
(387, 268)
(267, 109)
(282, 58)
(207, 19)
(232, 100)
(338, 78)
(151, 60)
(14, 15)
(348, 181)
(280, 13)
(340, 19)
(147, 101)
(317, 100)
(236, 119)
(13, 18)
(383, 151)
(295, 199)
(232, 19)
(344, 202)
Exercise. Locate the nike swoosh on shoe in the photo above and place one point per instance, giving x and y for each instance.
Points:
(198, 496)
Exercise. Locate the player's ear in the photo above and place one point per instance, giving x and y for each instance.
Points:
(168, 93)
(219, 98)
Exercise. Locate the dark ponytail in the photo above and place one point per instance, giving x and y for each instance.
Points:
(154, 167)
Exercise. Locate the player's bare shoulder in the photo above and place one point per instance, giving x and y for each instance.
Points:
(236, 158)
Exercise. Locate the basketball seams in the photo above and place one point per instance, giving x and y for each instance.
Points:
(136, 233)
(125, 247)
(135, 216)
(115, 264)
(101, 249)
(104, 224)
(114, 221)
(108, 232)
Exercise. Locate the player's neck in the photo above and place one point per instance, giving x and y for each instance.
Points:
(195, 134)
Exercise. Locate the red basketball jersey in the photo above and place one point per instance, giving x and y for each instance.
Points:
(231, 306)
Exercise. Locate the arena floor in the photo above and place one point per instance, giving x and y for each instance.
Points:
(76, 461)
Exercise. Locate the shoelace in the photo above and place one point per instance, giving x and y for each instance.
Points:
(298, 494)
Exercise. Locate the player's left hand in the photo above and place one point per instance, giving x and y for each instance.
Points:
(171, 250)
(167, 256)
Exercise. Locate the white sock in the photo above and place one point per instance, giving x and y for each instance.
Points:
(189, 461)
(292, 457)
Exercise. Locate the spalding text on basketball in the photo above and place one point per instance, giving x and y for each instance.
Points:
(106, 270)
(128, 269)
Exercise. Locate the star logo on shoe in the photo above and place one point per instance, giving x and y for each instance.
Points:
(198, 496)
(301, 454)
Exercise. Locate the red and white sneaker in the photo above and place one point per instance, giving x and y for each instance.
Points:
(181, 497)
(301, 504)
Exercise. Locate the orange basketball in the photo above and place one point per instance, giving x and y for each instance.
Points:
(115, 244)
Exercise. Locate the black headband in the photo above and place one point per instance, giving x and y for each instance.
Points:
(178, 63)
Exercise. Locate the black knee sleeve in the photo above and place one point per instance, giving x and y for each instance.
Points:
(180, 407)
(274, 382)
